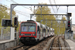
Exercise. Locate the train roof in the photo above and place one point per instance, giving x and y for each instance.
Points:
(44, 26)
(51, 29)
(48, 27)
(39, 24)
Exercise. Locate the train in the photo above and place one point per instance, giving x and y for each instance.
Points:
(31, 32)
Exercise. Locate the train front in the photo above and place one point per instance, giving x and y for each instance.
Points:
(27, 32)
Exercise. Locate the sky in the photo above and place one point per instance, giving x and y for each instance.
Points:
(24, 13)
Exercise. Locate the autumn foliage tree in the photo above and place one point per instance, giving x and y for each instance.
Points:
(62, 25)
(45, 19)
(45, 10)
(4, 14)
(50, 20)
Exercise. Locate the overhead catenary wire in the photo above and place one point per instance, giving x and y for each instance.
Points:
(20, 12)
(23, 7)
(18, 3)
(56, 6)
(52, 6)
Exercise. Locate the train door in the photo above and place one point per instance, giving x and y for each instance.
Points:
(44, 32)
(38, 32)
(48, 32)
(41, 31)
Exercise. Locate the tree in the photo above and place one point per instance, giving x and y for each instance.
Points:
(5, 15)
(45, 10)
(47, 18)
(62, 25)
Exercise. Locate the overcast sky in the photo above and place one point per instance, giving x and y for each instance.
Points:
(23, 13)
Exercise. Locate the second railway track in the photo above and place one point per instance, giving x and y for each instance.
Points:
(50, 43)
(57, 44)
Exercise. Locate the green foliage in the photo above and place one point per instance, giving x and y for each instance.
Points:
(62, 24)
(46, 19)
(18, 26)
(5, 15)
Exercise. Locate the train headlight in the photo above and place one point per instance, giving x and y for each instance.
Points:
(33, 34)
(21, 34)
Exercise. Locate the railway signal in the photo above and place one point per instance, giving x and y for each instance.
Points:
(69, 14)
(16, 21)
(6, 22)
(69, 24)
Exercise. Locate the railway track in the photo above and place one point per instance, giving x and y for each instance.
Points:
(50, 43)
(17, 47)
(22, 47)
(55, 44)
(39, 45)
(58, 44)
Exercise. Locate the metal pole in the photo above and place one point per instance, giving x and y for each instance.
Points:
(41, 11)
(67, 17)
(16, 35)
(30, 17)
(46, 21)
(1, 33)
(67, 13)
(51, 23)
(59, 28)
(34, 9)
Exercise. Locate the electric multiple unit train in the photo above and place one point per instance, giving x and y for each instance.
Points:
(31, 32)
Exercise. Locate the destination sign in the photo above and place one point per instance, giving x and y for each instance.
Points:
(28, 24)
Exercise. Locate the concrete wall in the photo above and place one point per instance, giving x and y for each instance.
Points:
(7, 44)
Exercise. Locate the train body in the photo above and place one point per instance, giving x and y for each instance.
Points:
(52, 32)
(31, 32)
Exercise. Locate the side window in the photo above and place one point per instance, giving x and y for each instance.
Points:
(44, 30)
(41, 29)
(48, 30)
(38, 29)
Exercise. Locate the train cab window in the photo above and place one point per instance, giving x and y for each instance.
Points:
(31, 28)
(24, 28)
(44, 30)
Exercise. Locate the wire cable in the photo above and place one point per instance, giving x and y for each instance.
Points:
(56, 6)
(18, 3)
(52, 6)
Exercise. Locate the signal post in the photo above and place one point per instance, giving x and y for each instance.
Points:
(68, 31)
